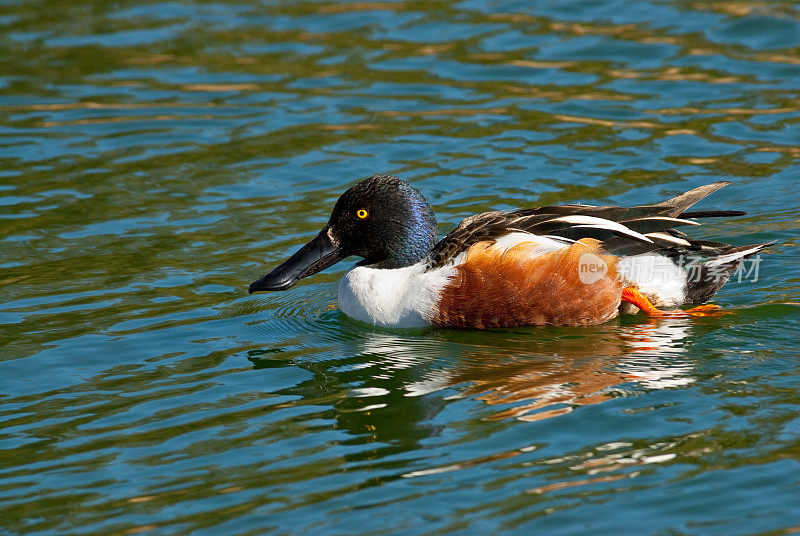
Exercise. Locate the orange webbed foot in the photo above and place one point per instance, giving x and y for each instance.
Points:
(633, 296)
(707, 309)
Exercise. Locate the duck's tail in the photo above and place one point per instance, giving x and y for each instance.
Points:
(678, 205)
(706, 275)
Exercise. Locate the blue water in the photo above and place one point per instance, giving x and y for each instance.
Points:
(158, 157)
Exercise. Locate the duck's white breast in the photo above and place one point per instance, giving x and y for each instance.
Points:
(396, 298)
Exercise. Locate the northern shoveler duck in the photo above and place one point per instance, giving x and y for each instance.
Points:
(561, 265)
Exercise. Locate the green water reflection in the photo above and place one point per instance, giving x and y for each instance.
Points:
(157, 157)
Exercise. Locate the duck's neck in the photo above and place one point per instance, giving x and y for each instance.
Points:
(408, 243)
(411, 253)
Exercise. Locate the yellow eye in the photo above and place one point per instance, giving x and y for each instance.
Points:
(362, 214)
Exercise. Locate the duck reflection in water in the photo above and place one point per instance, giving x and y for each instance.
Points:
(391, 386)
(544, 374)
(581, 370)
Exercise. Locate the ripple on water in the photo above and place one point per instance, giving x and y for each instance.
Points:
(155, 159)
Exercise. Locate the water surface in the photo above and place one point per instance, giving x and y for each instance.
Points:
(157, 157)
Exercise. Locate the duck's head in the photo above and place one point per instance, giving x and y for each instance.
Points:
(383, 219)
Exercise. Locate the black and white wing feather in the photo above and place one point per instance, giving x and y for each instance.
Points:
(623, 230)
